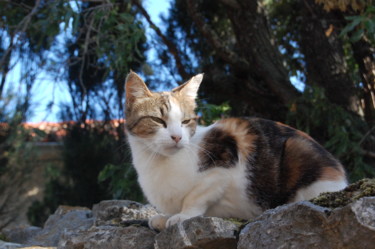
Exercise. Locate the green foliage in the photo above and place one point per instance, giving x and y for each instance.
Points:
(90, 45)
(119, 39)
(339, 131)
(107, 41)
(87, 149)
(209, 113)
(122, 181)
(283, 17)
(15, 154)
(361, 25)
(3, 238)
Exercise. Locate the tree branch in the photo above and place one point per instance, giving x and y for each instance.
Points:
(21, 28)
(214, 40)
(368, 153)
(231, 3)
(171, 46)
(368, 133)
(24, 24)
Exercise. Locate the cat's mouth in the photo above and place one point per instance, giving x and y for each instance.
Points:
(173, 148)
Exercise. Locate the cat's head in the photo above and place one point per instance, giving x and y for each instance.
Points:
(163, 122)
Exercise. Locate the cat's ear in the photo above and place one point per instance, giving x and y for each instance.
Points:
(135, 88)
(190, 88)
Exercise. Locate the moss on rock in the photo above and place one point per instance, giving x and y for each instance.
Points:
(3, 238)
(355, 191)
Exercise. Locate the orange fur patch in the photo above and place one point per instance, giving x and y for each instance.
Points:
(238, 128)
(332, 174)
(292, 161)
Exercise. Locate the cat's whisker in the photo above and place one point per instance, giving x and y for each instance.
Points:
(206, 152)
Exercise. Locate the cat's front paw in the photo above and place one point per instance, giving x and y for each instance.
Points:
(177, 218)
(158, 222)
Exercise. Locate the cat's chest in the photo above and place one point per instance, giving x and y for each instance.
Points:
(167, 182)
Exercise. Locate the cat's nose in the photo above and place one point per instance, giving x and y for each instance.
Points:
(176, 138)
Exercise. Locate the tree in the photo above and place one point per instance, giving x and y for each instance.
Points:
(219, 32)
(248, 50)
(240, 37)
(108, 41)
(331, 57)
(24, 39)
(91, 45)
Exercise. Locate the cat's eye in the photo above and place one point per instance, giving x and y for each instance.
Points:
(186, 121)
(159, 121)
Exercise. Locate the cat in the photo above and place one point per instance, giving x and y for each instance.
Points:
(236, 167)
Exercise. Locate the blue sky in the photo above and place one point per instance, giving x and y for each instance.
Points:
(47, 90)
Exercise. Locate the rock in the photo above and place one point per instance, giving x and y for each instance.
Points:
(305, 225)
(38, 247)
(108, 237)
(9, 245)
(116, 212)
(123, 224)
(65, 217)
(21, 234)
(199, 232)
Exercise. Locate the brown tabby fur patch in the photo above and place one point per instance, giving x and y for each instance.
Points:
(188, 109)
(140, 113)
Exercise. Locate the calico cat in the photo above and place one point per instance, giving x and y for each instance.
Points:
(236, 167)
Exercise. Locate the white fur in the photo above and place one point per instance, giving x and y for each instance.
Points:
(174, 127)
(319, 187)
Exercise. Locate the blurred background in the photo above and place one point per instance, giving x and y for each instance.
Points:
(309, 63)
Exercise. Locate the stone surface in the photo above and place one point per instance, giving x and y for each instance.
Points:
(199, 232)
(38, 247)
(123, 224)
(305, 225)
(21, 234)
(65, 217)
(108, 237)
(9, 245)
(115, 212)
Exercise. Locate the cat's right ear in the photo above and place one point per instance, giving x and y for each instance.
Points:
(135, 88)
(190, 88)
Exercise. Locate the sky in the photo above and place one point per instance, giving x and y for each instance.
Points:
(48, 90)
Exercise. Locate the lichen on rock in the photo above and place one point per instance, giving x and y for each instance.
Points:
(355, 191)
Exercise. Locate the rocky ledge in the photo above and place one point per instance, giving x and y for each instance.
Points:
(123, 224)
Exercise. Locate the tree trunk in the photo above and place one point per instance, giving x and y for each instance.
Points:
(364, 56)
(254, 41)
(260, 84)
(324, 55)
(5, 65)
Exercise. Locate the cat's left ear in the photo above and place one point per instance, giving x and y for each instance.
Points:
(135, 88)
(190, 88)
